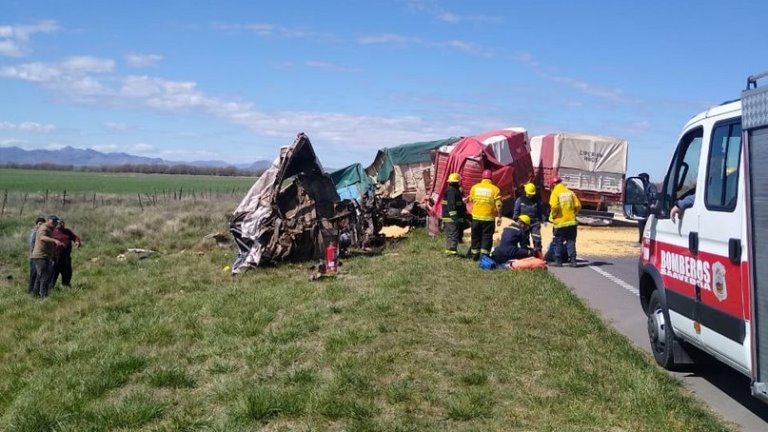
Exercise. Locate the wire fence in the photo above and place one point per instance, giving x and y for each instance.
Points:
(17, 203)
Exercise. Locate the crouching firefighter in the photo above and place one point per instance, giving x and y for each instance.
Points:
(530, 205)
(514, 242)
(454, 215)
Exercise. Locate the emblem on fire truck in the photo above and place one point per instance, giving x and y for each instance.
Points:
(718, 277)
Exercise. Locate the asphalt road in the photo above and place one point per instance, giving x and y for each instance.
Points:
(609, 286)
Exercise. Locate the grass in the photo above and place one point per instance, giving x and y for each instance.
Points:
(403, 340)
(34, 181)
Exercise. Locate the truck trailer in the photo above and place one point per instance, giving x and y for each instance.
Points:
(592, 166)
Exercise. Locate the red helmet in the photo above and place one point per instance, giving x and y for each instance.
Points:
(556, 180)
(487, 174)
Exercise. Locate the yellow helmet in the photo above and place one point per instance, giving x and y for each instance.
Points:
(524, 219)
(454, 178)
(530, 189)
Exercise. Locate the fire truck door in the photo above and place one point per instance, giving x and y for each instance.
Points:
(721, 303)
(674, 239)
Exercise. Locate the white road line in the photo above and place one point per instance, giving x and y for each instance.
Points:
(616, 280)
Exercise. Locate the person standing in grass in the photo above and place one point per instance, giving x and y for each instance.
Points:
(454, 213)
(63, 254)
(486, 207)
(31, 241)
(42, 256)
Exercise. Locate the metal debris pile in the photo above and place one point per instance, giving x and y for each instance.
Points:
(293, 212)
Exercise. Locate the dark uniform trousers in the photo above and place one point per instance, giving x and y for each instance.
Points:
(565, 235)
(482, 236)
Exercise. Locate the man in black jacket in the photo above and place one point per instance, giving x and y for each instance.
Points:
(454, 214)
(514, 242)
(530, 205)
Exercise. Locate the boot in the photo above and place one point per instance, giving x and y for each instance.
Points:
(557, 263)
(572, 262)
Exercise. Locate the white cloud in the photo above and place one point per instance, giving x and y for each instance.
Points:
(70, 76)
(12, 143)
(455, 44)
(274, 31)
(14, 38)
(612, 94)
(87, 81)
(27, 127)
(386, 38)
(142, 60)
(431, 7)
(116, 126)
(87, 64)
(331, 67)
(137, 148)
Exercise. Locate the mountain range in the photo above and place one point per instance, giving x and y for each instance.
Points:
(89, 157)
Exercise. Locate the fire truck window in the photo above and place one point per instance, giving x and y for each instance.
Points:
(723, 167)
(683, 171)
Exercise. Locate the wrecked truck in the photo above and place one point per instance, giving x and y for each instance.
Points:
(293, 212)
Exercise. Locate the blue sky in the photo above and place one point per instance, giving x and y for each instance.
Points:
(235, 80)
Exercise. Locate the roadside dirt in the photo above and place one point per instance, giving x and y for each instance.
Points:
(591, 240)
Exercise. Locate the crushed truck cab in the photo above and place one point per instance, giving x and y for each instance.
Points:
(700, 279)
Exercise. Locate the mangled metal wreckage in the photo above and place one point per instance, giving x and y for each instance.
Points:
(293, 212)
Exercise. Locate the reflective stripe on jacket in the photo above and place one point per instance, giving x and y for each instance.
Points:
(486, 200)
(564, 205)
(453, 205)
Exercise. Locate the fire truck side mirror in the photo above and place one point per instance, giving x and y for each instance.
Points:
(635, 203)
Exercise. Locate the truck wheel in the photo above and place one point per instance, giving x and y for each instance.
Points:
(660, 333)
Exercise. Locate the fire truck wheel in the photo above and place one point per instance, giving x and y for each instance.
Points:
(660, 333)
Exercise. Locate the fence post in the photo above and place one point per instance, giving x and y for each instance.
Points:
(140, 204)
(64, 199)
(94, 200)
(5, 199)
(21, 210)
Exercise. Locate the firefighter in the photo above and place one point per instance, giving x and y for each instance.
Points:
(514, 242)
(486, 208)
(564, 205)
(529, 204)
(454, 214)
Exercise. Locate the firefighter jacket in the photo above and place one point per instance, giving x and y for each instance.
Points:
(564, 205)
(486, 201)
(454, 209)
(529, 206)
(512, 240)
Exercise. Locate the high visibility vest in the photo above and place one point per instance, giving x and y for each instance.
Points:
(486, 200)
(564, 205)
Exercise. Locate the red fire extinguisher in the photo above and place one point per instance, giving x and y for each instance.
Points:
(330, 257)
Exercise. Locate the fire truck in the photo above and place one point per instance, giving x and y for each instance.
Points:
(704, 257)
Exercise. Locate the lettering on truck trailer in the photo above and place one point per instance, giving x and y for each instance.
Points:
(590, 156)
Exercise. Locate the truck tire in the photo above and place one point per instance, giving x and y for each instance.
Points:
(660, 332)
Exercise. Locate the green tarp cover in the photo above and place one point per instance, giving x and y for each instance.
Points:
(408, 154)
(351, 175)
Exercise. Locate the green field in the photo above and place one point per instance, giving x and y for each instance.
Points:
(33, 181)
